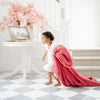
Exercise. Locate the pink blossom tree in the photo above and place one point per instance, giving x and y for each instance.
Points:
(21, 15)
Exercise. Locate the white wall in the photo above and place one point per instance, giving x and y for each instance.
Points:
(97, 22)
(85, 22)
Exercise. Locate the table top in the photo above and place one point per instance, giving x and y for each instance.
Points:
(20, 44)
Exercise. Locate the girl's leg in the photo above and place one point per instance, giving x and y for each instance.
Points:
(50, 78)
(58, 82)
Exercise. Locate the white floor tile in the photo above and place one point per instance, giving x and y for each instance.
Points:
(7, 94)
(65, 93)
(93, 93)
(35, 94)
(14, 86)
(41, 80)
(38, 86)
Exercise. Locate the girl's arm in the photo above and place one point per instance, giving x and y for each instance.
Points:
(60, 45)
(44, 55)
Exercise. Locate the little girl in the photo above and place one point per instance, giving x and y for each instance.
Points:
(63, 67)
(47, 40)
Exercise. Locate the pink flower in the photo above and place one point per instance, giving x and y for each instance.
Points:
(10, 20)
(2, 26)
(26, 10)
(5, 18)
(16, 6)
(19, 16)
(17, 13)
(24, 21)
(15, 23)
(30, 5)
(4, 3)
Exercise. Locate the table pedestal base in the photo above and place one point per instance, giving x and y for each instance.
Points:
(26, 65)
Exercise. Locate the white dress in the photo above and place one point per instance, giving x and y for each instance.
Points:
(49, 66)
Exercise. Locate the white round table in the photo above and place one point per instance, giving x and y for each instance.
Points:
(26, 66)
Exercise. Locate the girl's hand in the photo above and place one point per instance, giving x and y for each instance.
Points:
(60, 45)
(43, 58)
(44, 55)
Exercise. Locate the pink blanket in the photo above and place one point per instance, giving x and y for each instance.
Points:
(64, 71)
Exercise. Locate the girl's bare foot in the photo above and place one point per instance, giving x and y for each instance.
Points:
(48, 83)
(58, 84)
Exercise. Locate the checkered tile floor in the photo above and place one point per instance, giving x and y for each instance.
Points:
(33, 88)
